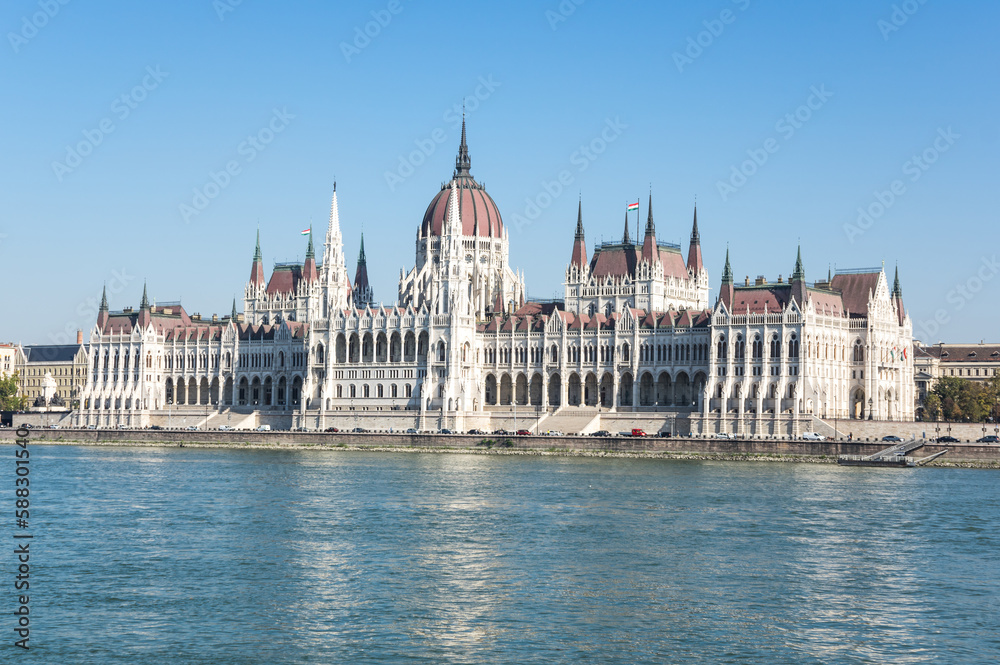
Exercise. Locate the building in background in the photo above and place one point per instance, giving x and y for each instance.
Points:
(62, 368)
(974, 362)
(8, 359)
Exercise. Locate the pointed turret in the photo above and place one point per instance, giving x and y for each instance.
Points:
(335, 280)
(257, 268)
(363, 295)
(102, 313)
(897, 297)
(695, 263)
(463, 163)
(233, 315)
(727, 290)
(309, 269)
(626, 240)
(579, 243)
(798, 280)
(145, 314)
(650, 252)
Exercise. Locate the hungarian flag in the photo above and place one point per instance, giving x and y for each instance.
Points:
(632, 206)
(306, 232)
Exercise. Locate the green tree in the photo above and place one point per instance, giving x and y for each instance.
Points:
(932, 407)
(9, 399)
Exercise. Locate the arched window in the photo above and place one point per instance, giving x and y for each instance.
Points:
(722, 348)
(859, 352)
(775, 346)
(758, 348)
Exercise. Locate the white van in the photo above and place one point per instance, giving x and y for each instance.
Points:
(813, 436)
(264, 428)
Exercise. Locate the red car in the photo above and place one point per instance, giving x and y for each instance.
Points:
(523, 432)
(637, 432)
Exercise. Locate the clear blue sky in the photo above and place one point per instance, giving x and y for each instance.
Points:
(554, 82)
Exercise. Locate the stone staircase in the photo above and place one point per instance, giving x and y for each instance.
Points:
(571, 420)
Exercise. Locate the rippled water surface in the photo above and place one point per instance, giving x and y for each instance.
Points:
(146, 555)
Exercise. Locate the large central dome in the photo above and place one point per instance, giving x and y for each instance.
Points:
(479, 213)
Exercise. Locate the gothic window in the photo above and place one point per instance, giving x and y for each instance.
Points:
(758, 348)
(775, 346)
(859, 352)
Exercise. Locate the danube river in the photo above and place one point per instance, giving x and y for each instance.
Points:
(181, 555)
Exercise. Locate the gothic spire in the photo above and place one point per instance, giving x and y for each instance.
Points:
(462, 163)
(233, 315)
(695, 263)
(897, 290)
(650, 227)
(145, 300)
(310, 252)
(361, 255)
(800, 273)
(626, 240)
(727, 272)
(579, 243)
(104, 299)
(257, 269)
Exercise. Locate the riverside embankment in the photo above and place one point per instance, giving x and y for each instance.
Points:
(961, 454)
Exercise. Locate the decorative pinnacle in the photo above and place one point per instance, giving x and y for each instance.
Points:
(310, 252)
(256, 255)
(897, 290)
(145, 301)
(695, 236)
(361, 256)
(625, 238)
(233, 315)
(104, 298)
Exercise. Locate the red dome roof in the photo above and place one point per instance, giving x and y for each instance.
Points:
(477, 210)
(479, 214)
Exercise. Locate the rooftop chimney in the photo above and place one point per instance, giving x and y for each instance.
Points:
(79, 337)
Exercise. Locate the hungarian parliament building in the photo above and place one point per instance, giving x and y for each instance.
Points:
(635, 338)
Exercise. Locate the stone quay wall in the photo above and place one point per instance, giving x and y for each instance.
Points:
(829, 449)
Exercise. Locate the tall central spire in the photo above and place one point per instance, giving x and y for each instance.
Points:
(626, 240)
(462, 163)
(650, 250)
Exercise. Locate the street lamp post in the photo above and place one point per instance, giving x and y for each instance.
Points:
(871, 402)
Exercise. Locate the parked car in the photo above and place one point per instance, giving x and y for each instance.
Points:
(158, 427)
(946, 439)
(264, 428)
(601, 432)
(192, 428)
(445, 431)
(412, 430)
(54, 427)
(359, 430)
(892, 438)
(501, 432)
(225, 428)
(523, 432)
(989, 438)
(813, 436)
(637, 432)
(91, 426)
(331, 429)
(476, 432)
(663, 435)
(723, 435)
(554, 432)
